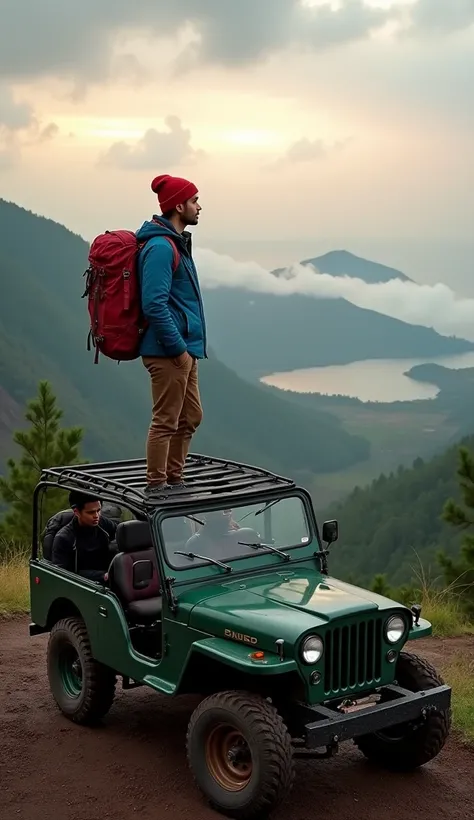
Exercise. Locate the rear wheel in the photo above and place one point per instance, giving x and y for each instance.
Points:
(409, 745)
(240, 753)
(83, 689)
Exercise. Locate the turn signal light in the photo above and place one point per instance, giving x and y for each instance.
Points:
(258, 656)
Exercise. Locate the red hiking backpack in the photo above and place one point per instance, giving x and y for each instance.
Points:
(117, 323)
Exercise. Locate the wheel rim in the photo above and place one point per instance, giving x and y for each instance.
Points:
(70, 670)
(228, 758)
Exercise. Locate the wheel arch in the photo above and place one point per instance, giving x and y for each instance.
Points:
(59, 609)
(205, 675)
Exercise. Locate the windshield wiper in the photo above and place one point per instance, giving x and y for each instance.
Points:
(205, 558)
(266, 547)
(262, 510)
(196, 520)
(267, 506)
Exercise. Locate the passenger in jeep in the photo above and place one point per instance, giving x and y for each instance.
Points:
(85, 545)
(220, 535)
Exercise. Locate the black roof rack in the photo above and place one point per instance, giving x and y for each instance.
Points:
(125, 481)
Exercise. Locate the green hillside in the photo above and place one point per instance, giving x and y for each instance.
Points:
(43, 330)
(383, 524)
(456, 393)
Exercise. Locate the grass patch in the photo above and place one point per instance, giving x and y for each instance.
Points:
(14, 582)
(446, 617)
(459, 673)
(442, 605)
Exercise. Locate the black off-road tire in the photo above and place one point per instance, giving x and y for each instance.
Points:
(83, 689)
(260, 736)
(402, 748)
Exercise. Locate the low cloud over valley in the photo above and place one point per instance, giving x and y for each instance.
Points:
(434, 306)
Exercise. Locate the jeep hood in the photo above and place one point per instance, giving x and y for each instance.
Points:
(278, 605)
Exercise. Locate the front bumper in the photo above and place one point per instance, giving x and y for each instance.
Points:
(325, 726)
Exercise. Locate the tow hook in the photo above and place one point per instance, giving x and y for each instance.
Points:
(311, 754)
(427, 711)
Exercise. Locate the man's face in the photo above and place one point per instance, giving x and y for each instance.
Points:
(189, 212)
(218, 522)
(89, 515)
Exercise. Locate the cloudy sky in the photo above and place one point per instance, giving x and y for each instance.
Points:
(295, 119)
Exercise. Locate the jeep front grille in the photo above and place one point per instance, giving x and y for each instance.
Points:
(353, 656)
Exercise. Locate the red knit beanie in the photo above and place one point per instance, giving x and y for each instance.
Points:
(172, 191)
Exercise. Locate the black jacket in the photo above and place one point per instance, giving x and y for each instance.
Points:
(85, 550)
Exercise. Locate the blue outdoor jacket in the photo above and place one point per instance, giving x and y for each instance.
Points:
(171, 302)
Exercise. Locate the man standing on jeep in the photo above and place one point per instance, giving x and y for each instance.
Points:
(176, 334)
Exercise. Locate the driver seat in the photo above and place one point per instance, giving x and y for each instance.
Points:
(133, 573)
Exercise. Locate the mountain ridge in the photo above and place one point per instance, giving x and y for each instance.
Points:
(345, 263)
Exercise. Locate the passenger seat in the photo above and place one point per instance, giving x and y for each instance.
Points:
(133, 573)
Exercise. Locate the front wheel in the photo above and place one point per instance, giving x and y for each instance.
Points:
(82, 688)
(240, 753)
(407, 746)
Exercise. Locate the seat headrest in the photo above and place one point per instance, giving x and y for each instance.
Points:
(132, 536)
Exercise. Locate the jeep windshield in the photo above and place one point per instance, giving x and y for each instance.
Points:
(225, 535)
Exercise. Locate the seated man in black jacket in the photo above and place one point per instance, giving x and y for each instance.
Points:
(84, 545)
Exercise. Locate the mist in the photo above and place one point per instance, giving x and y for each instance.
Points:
(435, 306)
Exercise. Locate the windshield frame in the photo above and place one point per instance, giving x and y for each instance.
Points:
(249, 561)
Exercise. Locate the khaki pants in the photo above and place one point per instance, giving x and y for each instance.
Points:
(177, 413)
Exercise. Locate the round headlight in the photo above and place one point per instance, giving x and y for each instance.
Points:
(312, 649)
(394, 629)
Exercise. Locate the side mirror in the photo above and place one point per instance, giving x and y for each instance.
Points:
(330, 532)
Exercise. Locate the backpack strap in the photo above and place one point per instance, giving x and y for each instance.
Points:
(176, 253)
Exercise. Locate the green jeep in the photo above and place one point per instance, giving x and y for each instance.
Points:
(222, 590)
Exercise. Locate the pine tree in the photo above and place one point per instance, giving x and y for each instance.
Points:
(381, 586)
(44, 444)
(460, 572)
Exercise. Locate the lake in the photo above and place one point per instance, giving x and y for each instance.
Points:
(370, 380)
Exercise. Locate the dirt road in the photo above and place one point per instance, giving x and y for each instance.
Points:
(134, 766)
